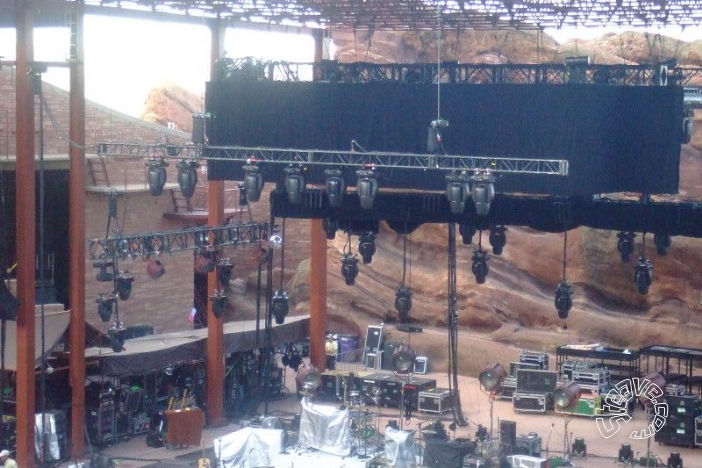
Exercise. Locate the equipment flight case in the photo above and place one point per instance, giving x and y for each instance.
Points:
(435, 400)
(532, 402)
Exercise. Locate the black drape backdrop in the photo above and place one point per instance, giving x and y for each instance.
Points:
(616, 138)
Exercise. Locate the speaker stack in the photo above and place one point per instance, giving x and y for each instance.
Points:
(679, 428)
(508, 435)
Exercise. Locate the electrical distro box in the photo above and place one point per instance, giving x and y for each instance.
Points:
(532, 402)
(435, 400)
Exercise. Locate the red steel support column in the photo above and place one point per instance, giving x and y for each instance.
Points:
(318, 268)
(215, 327)
(76, 231)
(26, 237)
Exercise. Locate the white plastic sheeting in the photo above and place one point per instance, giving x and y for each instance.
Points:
(400, 448)
(325, 428)
(248, 447)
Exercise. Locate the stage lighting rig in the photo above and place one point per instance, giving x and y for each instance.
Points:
(492, 376)
(482, 191)
(366, 246)
(457, 191)
(643, 274)
(280, 306)
(674, 460)
(403, 302)
(116, 338)
(349, 268)
(155, 268)
(625, 245)
(123, 282)
(156, 175)
(103, 275)
(253, 181)
(224, 271)
(498, 239)
(106, 303)
(219, 302)
(330, 226)
(480, 266)
(579, 448)
(336, 187)
(566, 396)
(403, 360)
(309, 379)
(187, 177)
(662, 242)
(626, 454)
(275, 241)
(434, 138)
(367, 186)
(295, 184)
(564, 299)
(467, 231)
(204, 262)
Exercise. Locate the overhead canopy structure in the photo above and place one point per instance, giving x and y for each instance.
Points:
(393, 14)
(151, 352)
(55, 324)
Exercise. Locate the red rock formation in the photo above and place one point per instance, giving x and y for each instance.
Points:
(171, 105)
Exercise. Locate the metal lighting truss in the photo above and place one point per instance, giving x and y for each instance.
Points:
(310, 158)
(250, 69)
(155, 243)
(421, 14)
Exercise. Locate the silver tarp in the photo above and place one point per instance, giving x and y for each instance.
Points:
(325, 428)
(249, 446)
(400, 448)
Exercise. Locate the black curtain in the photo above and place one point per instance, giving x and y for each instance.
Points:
(616, 138)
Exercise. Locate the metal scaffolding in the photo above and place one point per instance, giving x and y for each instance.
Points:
(154, 243)
(331, 159)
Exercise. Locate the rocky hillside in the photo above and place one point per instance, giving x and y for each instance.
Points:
(515, 305)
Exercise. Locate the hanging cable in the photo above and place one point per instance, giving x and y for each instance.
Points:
(438, 61)
(565, 242)
(282, 255)
(404, 258)
(458, 417)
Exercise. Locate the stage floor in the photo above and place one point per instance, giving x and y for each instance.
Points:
(550, 427)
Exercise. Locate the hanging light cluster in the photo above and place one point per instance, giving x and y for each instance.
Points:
(187, 177)
(335, 187)
(366, 246)
(106, 304)
(625, 245)
(662, 242)
(403, 302)
(219, 302)
(498, 239)
(479, 266)
(280, 306)
(225, 268)
(564, 299)
(295, 184)
(643, 275)
(457, 191)
(122, 284)
(482, 191)
(156, 175)
(367, 186)
(253, 181)
(349, 268)
(330, 226)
